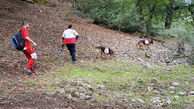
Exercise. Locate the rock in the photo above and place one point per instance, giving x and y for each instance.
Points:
(51, 93)
(140, 80)
(172, 92)
(157, 92)
(172, 87)
(129, 94)
(81, 90)
(167, 61)
(154, 80)
(76, 94)
(82, 95)
(87, 97)
(125, 100)
(133, 100)
(88, 86)
(147, 65)
(160, 104)
(69, 96)
(100, 86)
(155, 100)
(139, 59)
(176, 97)
(169, 101)
(149, 89)
(62, 91)
(74, 99)
(182, 93)
(140, 100)
(175, 84)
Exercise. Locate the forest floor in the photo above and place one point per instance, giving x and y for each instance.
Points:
(120, 82)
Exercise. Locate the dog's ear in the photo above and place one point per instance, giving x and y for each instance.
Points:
(152, 41)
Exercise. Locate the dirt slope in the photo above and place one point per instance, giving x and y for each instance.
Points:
(47, 25)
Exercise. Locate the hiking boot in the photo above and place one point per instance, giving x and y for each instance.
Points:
(33, 71)
(28, 70)
(74, 62)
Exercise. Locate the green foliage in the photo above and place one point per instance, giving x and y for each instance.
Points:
(183, 31)
(118, 15)
(42, 2)
(130, 15)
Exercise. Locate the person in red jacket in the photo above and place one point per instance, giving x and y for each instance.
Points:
(28, 50)
(69, 39)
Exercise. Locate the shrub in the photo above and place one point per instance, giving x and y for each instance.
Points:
(114, 14)
(43, 2)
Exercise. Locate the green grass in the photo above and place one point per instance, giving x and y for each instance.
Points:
(121, 78)
(31, 82)
(42, 2)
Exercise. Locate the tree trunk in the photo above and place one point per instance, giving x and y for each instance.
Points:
(139, 9)
(169, 14)
(191, 10)
(148, 22)
(152, 12)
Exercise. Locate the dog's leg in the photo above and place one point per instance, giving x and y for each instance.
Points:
(149, 48)
(141, 46)
(102, 56)
(106, 56)
(98, 54)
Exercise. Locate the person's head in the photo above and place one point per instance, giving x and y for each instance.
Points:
(70, 26)
(25, 24)
(151, 41)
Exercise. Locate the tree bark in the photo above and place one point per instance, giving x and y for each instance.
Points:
(139, 9)
(191, 10)
(169, 14)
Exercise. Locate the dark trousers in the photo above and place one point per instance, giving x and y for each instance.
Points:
(71, 48)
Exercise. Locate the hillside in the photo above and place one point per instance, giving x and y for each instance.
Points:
(47, 27)
(47, 24)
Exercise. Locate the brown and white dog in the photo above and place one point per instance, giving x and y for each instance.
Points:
(143, 43)
(106, 51)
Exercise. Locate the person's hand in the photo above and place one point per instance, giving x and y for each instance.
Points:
(62, 41)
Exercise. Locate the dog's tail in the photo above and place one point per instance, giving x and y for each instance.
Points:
(138, 43)
(99, 47)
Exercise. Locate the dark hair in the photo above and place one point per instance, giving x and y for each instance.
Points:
(70, 26)
(24, 23)
(151, 41)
